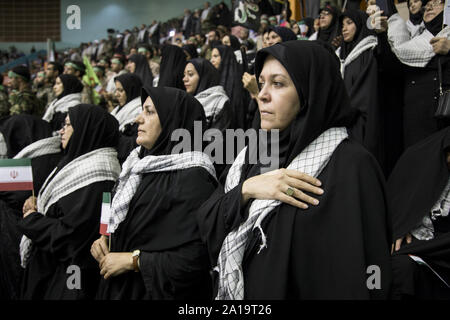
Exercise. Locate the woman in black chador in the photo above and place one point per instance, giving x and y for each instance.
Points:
(266, 242)
(173, 61)
(128, 94)
(419, 203)
(224, 59)
(138, 64)
(68, 90)
(156, 252)
(21, 133)
(58, 230)
(359, 69)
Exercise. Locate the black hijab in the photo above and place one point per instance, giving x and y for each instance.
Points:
(230, 71)
(417, 18)
(132, 85)
(142, 68)
(231, 80)
(234, 43)
(328, 34)
(22, 130)
(324, 101)
(176, 110)
(71, 85)
(191, 50)
(417, 181)
(359, 18)
(173, 62)
(209, 76)
(285, 34)
(435, 25)
(93, 128)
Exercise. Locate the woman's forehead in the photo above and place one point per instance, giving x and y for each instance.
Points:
(273, 67)
(148, 102)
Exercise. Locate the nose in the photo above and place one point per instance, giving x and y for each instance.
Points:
(264, 94)
(138, 119)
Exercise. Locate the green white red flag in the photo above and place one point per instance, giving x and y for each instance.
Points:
(16, 175)
(106, 214)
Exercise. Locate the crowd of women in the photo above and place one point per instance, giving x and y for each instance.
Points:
(357, 209)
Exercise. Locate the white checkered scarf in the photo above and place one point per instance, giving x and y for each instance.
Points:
(133, 169)
(415, 30)
(312, 160)
(212, 100)
(95, 166)
(368, 43)
(414, 52)
(128, 113)
(41, 147)
(62, 105)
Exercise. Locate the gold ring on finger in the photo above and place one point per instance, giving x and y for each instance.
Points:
(290, 192)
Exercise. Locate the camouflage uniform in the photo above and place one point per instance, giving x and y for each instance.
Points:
(86, 94)
(4, 103)
(46, 94)
(25, 102)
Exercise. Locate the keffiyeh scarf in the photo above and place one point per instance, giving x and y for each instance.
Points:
(62, 105)
(41, 147)
(128, 113)
(95, 166)
(133, 170)
(312, 160)
(368, 43)
(212, 100)
(414, 52)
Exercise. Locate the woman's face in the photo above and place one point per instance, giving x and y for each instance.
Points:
(216, 58)
(149, 126)
(131, 67)
(191, 78)
(58, 87)
(273, 38)
(120, 94)
(415, 6)
(278, 100)
(226, 41)
(296, 28)
(66, 132)
(348, 29)
(432, 10)
(325, 19)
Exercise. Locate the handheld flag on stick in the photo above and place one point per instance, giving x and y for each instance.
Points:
(106, 214)
(91, 79)
(16, 175)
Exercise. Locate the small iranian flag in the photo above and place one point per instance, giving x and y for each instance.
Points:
(106, 214)
(16, 175)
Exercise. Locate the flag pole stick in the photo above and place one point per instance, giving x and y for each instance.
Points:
(109, 245)
(445, 7)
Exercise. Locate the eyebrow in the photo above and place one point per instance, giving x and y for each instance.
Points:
(275, 75)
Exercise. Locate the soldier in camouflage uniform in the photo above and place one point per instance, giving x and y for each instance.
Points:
(38, 87)
(21, 99)
(4, 103)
